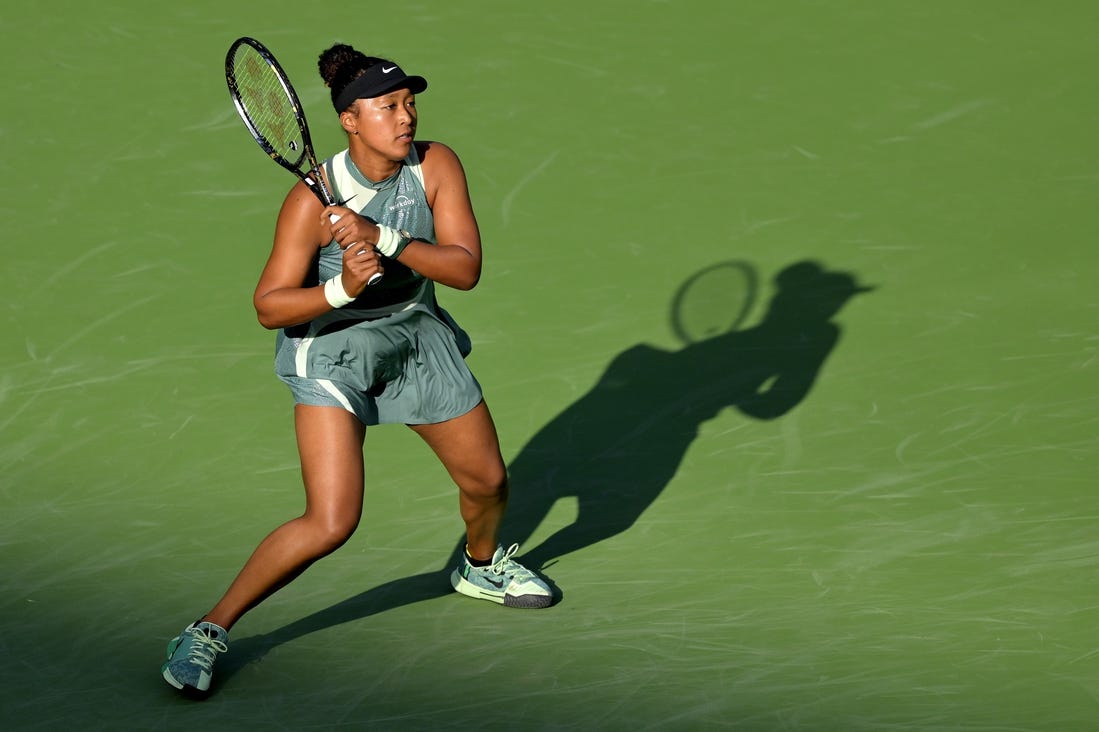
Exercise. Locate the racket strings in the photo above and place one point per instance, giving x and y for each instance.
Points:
(268, 106)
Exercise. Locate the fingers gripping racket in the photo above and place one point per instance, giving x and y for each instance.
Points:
(270, 108)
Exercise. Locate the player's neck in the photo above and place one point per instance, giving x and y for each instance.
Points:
(375, 167)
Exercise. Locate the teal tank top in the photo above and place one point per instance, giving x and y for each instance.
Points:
(399, 202)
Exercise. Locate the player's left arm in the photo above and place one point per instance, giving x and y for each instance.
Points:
(456, 260)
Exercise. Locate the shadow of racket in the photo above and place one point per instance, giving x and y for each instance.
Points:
(715, 300)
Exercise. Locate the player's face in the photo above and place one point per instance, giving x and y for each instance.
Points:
(387, 124)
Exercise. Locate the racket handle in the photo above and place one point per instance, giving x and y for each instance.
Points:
(374, 278)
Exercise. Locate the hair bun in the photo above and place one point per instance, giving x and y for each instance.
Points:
(335, 59)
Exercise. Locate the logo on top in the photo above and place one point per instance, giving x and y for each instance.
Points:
(401, 201)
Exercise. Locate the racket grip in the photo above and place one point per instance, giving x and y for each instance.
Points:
(374, 278)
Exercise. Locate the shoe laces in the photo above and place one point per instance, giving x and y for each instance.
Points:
(204, 649)
(505, 564)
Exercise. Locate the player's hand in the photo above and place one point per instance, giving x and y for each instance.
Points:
(361, 262)
(348, 227)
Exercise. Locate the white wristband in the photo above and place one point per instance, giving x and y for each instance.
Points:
(334, 293)
(388, 240)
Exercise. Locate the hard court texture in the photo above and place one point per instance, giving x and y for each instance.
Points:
(849, 487)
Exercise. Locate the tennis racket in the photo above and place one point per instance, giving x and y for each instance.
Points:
(714, 301)
(266, 101)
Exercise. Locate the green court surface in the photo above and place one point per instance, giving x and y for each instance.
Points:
(788, 323)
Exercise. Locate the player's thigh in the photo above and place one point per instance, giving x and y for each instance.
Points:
(469, 449)
(330, 443)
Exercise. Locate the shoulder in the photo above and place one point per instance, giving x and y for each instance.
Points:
(441, 168)
(300, 216)
(302, 201)
(437, 156)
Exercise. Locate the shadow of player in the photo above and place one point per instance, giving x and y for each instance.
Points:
(617, 447)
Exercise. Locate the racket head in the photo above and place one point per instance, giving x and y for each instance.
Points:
(267, 103)
(714, 301)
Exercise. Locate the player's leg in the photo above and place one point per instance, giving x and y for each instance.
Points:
(330, 444)
(470, 451)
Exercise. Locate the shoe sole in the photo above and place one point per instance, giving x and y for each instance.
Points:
(191, 692)
(467, 588)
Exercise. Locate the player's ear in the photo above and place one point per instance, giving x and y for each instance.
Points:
(349, 122)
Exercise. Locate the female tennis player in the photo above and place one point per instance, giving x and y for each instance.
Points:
(355, 355)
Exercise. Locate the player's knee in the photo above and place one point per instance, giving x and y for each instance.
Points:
(330, 533)
(490, 484)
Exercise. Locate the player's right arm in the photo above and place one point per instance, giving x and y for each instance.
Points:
(280, 298)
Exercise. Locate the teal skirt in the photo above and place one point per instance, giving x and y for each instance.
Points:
(404, 368)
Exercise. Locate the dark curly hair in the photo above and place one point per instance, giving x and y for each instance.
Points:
(341, 64)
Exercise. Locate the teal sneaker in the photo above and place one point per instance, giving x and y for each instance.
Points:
(505, 581)
(191, 655)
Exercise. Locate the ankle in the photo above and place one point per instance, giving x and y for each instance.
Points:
(474, 561)
(213, 621)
